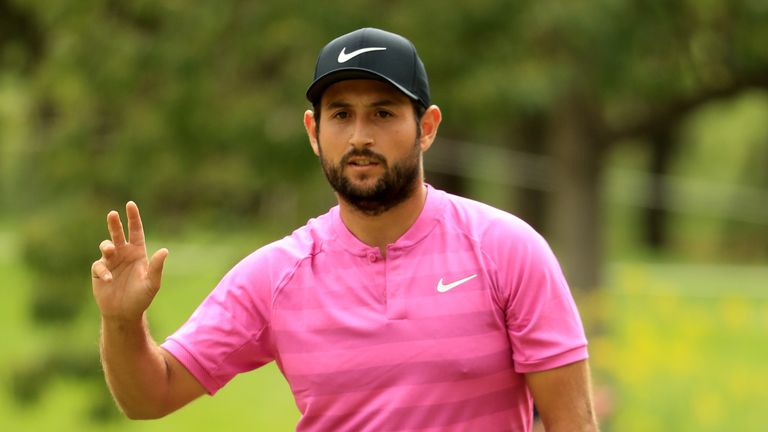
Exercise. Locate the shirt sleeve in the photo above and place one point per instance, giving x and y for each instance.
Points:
(543, 323)
(229, 332)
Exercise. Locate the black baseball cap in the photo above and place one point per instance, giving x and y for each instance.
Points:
(371, 53)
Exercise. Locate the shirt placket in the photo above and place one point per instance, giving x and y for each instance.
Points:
(377, 275)
(396, 304)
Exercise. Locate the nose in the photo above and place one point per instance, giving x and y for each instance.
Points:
(361, 134)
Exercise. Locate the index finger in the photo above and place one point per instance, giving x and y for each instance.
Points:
(135, 229)
(115, 227)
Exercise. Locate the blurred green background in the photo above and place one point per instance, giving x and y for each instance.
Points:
(633, 134)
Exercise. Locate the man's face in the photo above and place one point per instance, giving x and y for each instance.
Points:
(368, 143)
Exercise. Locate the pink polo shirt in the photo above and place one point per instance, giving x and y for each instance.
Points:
(436, 336)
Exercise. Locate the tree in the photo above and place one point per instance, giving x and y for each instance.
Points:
(195, 111)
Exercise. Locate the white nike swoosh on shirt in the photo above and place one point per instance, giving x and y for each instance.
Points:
(344, 57)
(443, 288)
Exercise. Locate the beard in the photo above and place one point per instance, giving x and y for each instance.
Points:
(397, 184)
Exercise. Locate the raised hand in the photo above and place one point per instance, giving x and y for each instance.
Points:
(124, 280)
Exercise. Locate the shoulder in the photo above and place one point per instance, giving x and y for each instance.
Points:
(278, 259)
(486, 224)
(510, 243)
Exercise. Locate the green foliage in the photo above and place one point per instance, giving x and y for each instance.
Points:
(30, 381)
(194, 111)
(157, 100)
(58, 247)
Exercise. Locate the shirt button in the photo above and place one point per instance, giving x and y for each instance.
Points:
(372, 257)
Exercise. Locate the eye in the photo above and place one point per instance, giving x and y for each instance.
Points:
(384, 114)
(341, 115)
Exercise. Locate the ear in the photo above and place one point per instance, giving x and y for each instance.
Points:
(311, 128)
(430, 121)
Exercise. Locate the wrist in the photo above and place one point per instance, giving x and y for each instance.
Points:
(123, 323)
(121, 334)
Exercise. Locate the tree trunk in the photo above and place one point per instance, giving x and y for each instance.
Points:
(532, 201)
(577, 150)
(443, 167)
(662, 152)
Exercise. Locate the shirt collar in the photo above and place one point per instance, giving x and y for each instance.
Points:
(423, 225)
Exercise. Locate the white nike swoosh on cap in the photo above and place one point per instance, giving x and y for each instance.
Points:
(443, 288)
(344, 57)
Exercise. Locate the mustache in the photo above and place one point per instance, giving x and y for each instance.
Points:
(366, 153)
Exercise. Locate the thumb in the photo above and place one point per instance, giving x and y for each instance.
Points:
(156, 264)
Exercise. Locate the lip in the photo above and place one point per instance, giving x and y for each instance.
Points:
(364, 163)
(367, 167)
(368, 162)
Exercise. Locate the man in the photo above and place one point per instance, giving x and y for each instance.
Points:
(402, 308)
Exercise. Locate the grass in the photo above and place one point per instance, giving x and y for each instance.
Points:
(685, 347)
(681, 347)
(257, 401)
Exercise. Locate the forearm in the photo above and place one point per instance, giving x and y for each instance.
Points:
(581, 425)
(563, 398)
(571, 414)
(134, 368)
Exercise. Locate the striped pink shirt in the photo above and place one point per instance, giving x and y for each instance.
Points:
(436, 336)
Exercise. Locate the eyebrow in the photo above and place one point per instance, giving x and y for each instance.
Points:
(375, 104)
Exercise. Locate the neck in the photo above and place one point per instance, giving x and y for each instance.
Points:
(384, 229)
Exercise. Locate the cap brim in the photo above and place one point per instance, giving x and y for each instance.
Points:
(318, 87)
